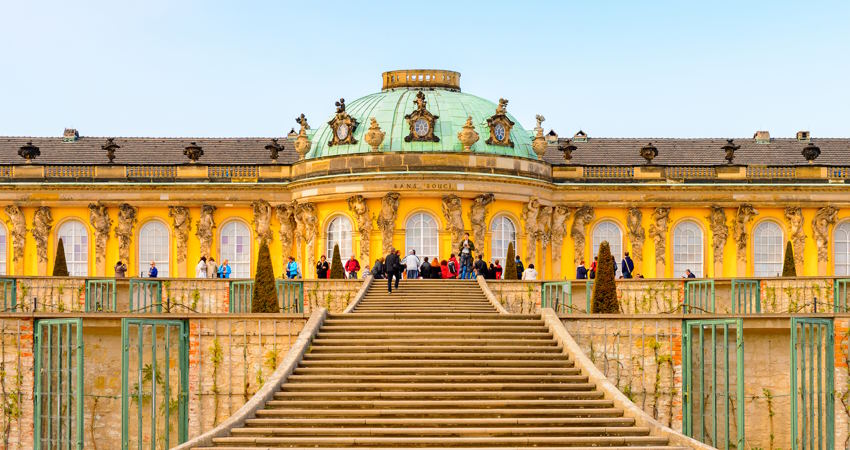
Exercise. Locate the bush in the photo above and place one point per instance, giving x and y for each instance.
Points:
(510, 264)
(337, 271)
(60, 267)
(604, 288)
(788, 267)
(265, 294)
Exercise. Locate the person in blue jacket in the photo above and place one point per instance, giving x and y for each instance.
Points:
(153, 272)
(292, 269)
(224, 270)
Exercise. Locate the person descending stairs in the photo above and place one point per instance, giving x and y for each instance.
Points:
(434, 365)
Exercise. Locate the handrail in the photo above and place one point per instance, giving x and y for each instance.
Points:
(367, 282)
(490, 296)
(270, 387)
(595, 376)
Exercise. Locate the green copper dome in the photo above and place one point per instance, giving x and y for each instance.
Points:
(390, 106)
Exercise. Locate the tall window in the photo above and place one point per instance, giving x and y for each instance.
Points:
(4, 244)
(609, 231)
(421, 232)
(235, 247)
(503, 234)
(154, 245)
(767, 250)
(339, 233)
(841, 247)
(687, 249)
(75, 239)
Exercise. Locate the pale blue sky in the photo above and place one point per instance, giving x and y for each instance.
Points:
(631, 68)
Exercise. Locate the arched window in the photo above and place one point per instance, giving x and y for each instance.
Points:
(4, 244)
(339, 233)
(503, 233)
(75, 239)
(841, 247)
(154, 246)
(767, 250)
(235, 247)
(687, 249)
(608, 230)
(421, 235)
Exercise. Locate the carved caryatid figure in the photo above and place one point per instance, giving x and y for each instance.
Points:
(794, 216)
(306, 231)
(558, 232)
(100, 221)
(530, 212)
(453, 213)
(204, 229)
(658, 232)
(262, 220)
(719, 232)
(181, 222)
(746, 213)
(286, 216)
(583, 216)
(637, 235)
(478, 216)
(42, 223)
(824, 217)
(357, 204)
(18, 227)
(386, 220)
(127, 216)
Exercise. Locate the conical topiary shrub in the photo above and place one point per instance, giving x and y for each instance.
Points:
(265, 296)
(604, 288)
(788, 267)
(337, 271)
(510, 264)
(60, 267)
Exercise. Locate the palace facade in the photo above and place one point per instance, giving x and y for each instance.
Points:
(414, 166)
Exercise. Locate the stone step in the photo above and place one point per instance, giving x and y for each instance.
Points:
(396, 341)
(428, 441)
(450, 378)
(435, 329)
(441, 404)
(471, 412)
(450, 421)
(415, 363)
(434, 356)
(442, 431)
(437, 386)
(481, 349)
(395, 447)
(467, 395)
(495, 334)
(469, 370)
(491, 319)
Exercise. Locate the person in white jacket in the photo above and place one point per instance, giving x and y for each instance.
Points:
(411, 263)
(530, 273)
(201, 268)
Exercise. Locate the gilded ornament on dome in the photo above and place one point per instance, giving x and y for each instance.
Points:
(500, 126)
(342, 126)
(467, 135)
(421, 122)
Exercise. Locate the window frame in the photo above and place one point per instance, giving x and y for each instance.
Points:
(346, 246)
(696, 264)
(236, 266)
(72, 263)
(420, 245)
(758, 270)
(594, 250)
(495, 238)
(163, 265)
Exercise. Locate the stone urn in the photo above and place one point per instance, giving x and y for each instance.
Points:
(539, 143)
(302, 144)
(467, 135)
(374, 136)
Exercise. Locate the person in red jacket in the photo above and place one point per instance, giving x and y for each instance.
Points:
(444, 269)
(454, 267)
(498, 270)
(351, 267)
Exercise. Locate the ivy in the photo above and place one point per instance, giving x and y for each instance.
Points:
(216, 358)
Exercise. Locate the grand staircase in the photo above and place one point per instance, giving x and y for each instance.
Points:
(433, 365)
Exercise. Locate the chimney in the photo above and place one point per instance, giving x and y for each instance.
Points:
(804, 136)
(762, 137)
(552, 137)
(70, 135)
(581, 136)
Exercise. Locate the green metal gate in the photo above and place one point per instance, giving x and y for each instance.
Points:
(840, 294)
(101, 295)
(154, 383)
(290, 296)
(8, 289)
(746, 296)
(241, 294)
(699, 296)
(812, 384)
(714, 365)
(558, 295)
(59, 384)
(145, 295)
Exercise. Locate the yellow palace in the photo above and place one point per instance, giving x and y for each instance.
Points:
(415, 166)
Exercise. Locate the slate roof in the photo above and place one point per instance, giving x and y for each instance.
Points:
(147, 151)
(700, 152)
(597, 151)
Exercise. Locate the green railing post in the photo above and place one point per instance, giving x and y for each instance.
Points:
(588, 294)
(145, 295)
(557, 295)
(812, 376)
(699, 296)
(241, 294)
(101, 295)
(55, 401)
(839, 293)
(9, 289)
(290, 296)
(746, 296)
